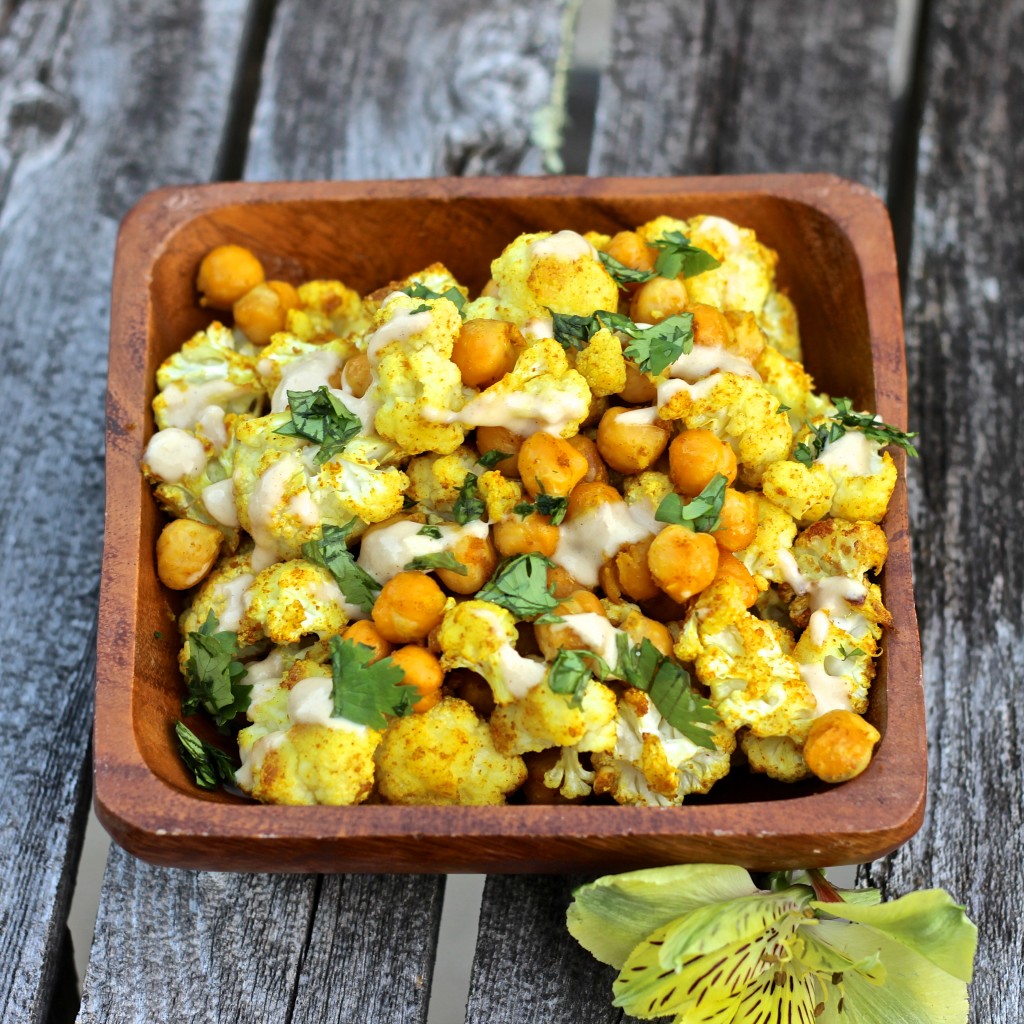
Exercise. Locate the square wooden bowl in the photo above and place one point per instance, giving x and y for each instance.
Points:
(837, 261)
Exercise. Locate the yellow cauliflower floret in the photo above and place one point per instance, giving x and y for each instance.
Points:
(418, 388)
(434, 480)
(568, 775)
(647, 489)
(542, 718)
(654, 764)
(776, 531)
(836, 547)
(500, 494)
(778, 757)
(837, 667)
(437, 278)
(328, 309)
(791, 385)
(445, 756)
(747, 339)
(540, 272)
(864, 497)
(347, 487)
(602, 364)
(779, 320)
(484, 307)
(739, 411)
(803, 492)
(290, 600)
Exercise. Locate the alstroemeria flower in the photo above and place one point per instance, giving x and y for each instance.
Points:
(702, 943)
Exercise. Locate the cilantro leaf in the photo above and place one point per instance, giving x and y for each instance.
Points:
(520, 584)
(623, 275)
(573, 331)
(429, 531)
(323, 418)
(820, 436)
(213, 676)
(702, 514)
(572, 670)
(783, 408)
(438, 560)
(873, 428)
(857, 651)
(679, 255)
(421, 291)
(208, 764)
(331, 551)
(363, 692)
(668, 686)
(490, 459)
(545, 505)
(654, 349)
(468, 505)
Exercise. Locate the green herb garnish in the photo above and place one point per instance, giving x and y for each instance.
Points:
(573, 332)
(652, 348)
(208, 764)
(213, 676)
(468, 505)
(429, 531)
(322, 418)
(702, 514)
(490, 459)
(520, 585)
(545, 505)
(572, 670)
(363, 692)
(438, 560)
(623, 275)
(872, 428)
(680, 256)
(421, 291)
(331, 551)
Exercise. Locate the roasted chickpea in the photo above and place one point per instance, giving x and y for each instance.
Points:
(422, 670)
(839, 746)
(596, 409)
(629, 442)
(710, 327)
(739, 520)
(489, 439)
(633, 573)
(639, 389)
(552, 638)
(731, 568)
(682, 562)
(185, 552)
(631, 251)
(357, 374)
(366, 633)
(485, 351)
(473, 689)
(562, 582)
(478, 556)
(586, 497)
(597, 471)
(408, 607)
(657, 300)
(550, 465)
(521, 536)
(226, 274)
(640, 627)
(261, 312)
(695, 456)
(608, 579)
(538, 764)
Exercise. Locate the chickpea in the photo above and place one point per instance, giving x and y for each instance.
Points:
(473, 689)
(597, 408)
(422, 670)
(185, 552)
(839, 746)
(552, 638)
(516, 536)
(608, 579)
(739, 520)
(682, 562)
(226, 274)
(630, 447)
(586, 497)
(562, 582)
(478, 556)
(695, 456)
(640, 627)
(634, 574)
(731, 568)
(366, 633)
(538, 764)
(489, 439)
(286, 293)
(657, 300)
(710, 327)
(408, 607)
(663, 609)
(597, 471)
(639, 389)
(485, 351)
(357, 374)
(550, 464)
(260, 313)
(631, 251)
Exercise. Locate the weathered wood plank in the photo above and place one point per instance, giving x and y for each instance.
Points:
(965, 318)
(407, 89)
(730, 87)
(100, 102)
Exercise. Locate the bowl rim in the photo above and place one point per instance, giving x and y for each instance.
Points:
(154, 820)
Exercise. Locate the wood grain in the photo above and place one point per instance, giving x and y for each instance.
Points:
(965, 319)
(81, 137)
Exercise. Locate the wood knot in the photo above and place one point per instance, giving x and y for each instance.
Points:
(36, 117)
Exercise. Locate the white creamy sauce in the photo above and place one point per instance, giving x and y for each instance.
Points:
(538, 327)
(818, 627)
(310, 703)
(328, 592)
(254, 762)
(264, 677)
(838, 597)
(233, 592)
(520, 412)
(704, 360)
(187, 404)
(852, 452)
(791, 573)
(387, 551)
(304, 508)
(211, 423)
(586, 542)
(521, 674)
(597, 634)
(307, 373)
(639, 417)
(563, 245)
(173, 454)
(263, 557)
(669, 388)
(830, 692)
(267, 498)
(219, 499)
(402, 327)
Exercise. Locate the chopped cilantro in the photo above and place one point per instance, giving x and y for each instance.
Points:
(438, 560)
(820, 436)
(623, 275)
(429, 531)
(331, 551)
(545, 505)
(702, 514)
(213, 676)
(520, 584)
(363, 692)
(572, 670)
(421, 291)
(679, 255)
(652, 348)
(783, 408)
(323, 418)
(873, 428)
(468, 505)
(490, 459)
(856, 652)
(208, 764)
(573, 332)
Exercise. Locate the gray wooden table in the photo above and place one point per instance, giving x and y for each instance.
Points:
(100, 102)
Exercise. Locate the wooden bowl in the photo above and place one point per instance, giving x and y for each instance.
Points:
(837, 261)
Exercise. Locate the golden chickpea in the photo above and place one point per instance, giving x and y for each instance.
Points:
(639, 389)
(226, 274)
(473, 689)
(185, 552)
(552, 638)
(608, 580)
(695, 456)
(286, 293)
(501, 439)
(640, 627)
(562, 582)
(485, 351)
(516, 536)
(550, 465)
(739, 520)
(597, 471)
(408, 607)
(731, 568)
(259, 314)
(587, 497)
(422, 670)
(682, 562)
(357, 374)
(596, 409)
(628, 446)
(366, 633)
(478, 556)
(538, 764)
(631, 251)
(710, 327)
(839, 746)
(634, 574)
(657, 300)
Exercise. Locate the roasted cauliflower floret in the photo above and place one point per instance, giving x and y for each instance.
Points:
(542, 718)
(837, 668)
(864, 476)
(434, 480)
(804, 492)
(347, 487)
(544, 271)
(791, 385)
(775, 533)
(568, 775)
(290, 600)
(445, 756)
(602, 364)
(328, 310)
(653, 763)
(221, 592)
(289, 363)
(779, 321)
(206, 371)
(778, 757)
(836, 547)
(500, 494)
